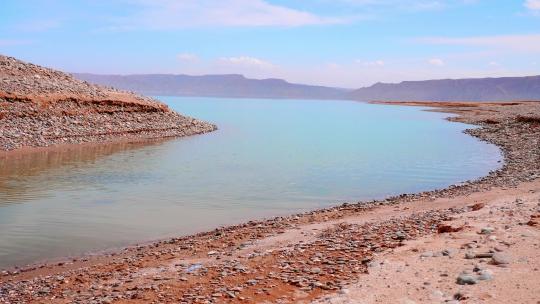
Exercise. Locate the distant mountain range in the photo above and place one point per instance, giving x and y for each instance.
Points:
(213, 86)
(474, 89)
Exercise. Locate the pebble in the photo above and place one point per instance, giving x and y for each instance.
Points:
(485, 275)
(466, 279)
(400, 235)
(487, 230)
(500, 259)
(449, 252)
(498, 249)
(427, 254)
(460, 296)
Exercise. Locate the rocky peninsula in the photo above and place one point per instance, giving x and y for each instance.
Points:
(41, 107)
(476, 242)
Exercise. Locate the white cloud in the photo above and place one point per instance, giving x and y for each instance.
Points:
(532, 4)
(376, 63)
(187, 57)
(174, 14)
(246, 62)
(407, 5)
(524, 43)
(436, 62)
(493, 64)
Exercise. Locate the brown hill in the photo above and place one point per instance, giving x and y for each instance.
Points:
(41, 107)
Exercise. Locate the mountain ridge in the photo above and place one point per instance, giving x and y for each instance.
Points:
(239, 86)
(465, 89)
(216, 85)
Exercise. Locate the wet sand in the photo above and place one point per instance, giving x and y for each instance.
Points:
(334, 255)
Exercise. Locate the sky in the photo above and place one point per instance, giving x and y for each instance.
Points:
(343, 43)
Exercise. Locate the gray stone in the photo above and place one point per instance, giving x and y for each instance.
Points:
(498, 249)
(500, 259)
(448, 252)
(400, 235)
(427, 254)
(487, 230)
(485, 275)
(437, 254)
(466, 279)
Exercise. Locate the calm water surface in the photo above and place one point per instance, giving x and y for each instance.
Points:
(269, 157)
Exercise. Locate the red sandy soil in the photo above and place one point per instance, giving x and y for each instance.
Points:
(418, 273)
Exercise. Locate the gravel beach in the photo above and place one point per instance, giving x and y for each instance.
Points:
(476, 242)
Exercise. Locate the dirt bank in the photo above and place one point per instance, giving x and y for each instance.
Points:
(42, 107)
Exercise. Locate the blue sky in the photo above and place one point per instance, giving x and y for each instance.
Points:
(346, 43)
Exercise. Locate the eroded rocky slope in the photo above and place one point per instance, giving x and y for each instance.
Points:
(43, 107)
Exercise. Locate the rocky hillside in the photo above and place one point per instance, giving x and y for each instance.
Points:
(42, 107)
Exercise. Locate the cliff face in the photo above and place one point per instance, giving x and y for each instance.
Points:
(42, 107)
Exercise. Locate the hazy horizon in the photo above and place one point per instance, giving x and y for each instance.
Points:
(292, 82)
(341, 43)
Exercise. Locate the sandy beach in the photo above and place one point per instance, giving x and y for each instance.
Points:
(477, 242)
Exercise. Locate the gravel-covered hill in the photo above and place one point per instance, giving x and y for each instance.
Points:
(42, 107)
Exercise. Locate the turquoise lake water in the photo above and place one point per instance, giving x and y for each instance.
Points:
(269, 157)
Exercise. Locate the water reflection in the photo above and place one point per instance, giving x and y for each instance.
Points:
(33, 174)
